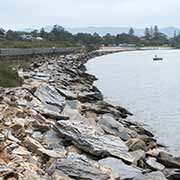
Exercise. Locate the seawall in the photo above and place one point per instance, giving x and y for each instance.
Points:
(58, 126)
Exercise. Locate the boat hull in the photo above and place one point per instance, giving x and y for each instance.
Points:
(157, 59)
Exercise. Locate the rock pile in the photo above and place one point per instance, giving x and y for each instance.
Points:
(58, 127)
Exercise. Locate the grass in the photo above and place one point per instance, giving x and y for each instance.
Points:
(9, 76)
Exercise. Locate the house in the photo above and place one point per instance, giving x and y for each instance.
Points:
(39, 38)
(26, 37)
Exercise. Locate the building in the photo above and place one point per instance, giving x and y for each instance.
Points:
(26, 37)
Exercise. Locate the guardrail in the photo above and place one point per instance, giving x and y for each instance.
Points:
(36, 51)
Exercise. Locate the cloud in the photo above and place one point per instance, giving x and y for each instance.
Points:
(139, 13)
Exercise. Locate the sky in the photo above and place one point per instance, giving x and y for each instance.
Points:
(18, 14)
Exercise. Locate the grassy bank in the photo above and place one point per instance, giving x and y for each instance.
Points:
(9, 76)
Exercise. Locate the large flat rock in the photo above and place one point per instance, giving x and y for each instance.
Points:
(51, 100)
(168, 160)
(90, 96)
(154, 165)
(89, 138)
(113, 127)
(120, 169)
(79, 167)
(102, 107)
(157, 175)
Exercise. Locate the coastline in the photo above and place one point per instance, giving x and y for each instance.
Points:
(122, 49)
(58, 124)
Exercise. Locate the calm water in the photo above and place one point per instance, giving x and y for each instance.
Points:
(149, 89)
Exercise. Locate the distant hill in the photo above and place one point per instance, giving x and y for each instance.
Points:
(169, 31)
(104, 30)
(26, 30)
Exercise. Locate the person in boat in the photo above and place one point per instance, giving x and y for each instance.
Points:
(157, 58)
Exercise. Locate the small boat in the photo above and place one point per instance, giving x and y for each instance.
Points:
(156, 58)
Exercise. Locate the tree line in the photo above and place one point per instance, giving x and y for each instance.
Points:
(58, 36)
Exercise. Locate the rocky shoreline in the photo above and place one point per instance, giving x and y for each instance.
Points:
(58, 127)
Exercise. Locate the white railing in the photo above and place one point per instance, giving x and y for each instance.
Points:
(35, 51)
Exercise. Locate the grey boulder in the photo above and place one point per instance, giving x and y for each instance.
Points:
(168, 160)
(113, 127)
(120, 170)
(78, 167)
(154, 165)
(89, 138)
(157, 175)
(50, 98)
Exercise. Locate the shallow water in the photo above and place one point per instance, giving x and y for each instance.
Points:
(150, 89)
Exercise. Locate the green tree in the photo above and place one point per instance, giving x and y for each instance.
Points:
(12, 35)
(58, 33)
(147, 34)
(43, 33)
(57, 30)
(156, 32)
(2, 32)
(126, 38)
(131, 32)
(34, 33)
(151, 32)
(87, 39)
(109, 39)
(97, 38)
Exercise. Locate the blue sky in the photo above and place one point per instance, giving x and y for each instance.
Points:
(80, 13)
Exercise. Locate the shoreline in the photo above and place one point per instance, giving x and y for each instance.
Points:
(126, 49)
(58, 124)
